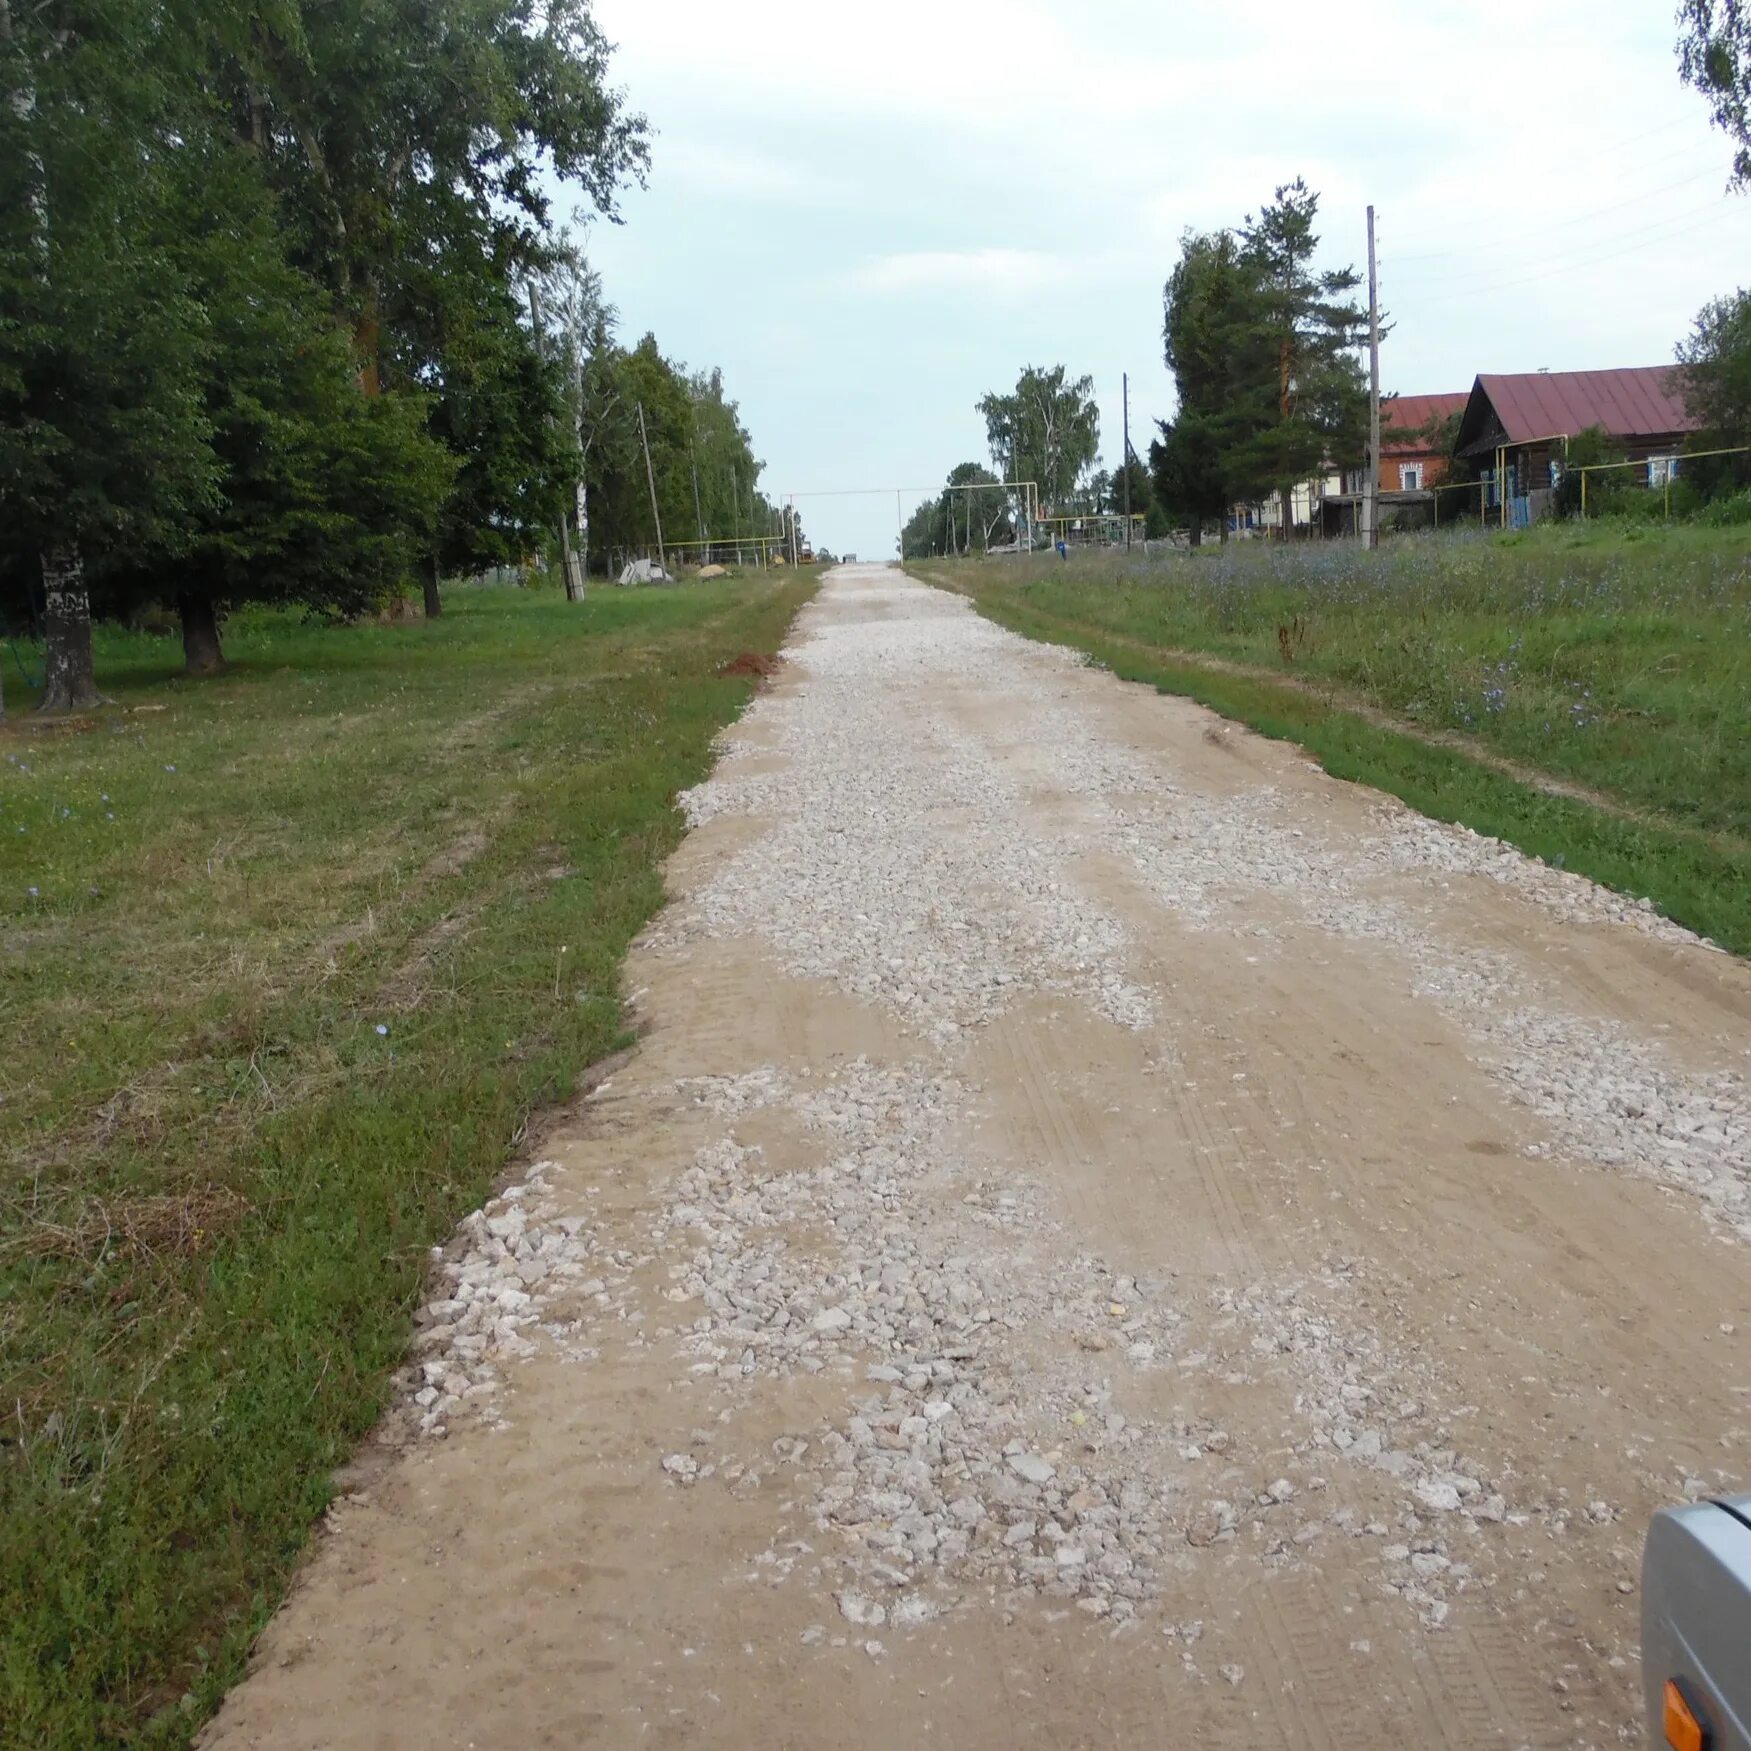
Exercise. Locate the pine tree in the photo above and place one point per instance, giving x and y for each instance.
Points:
(1216, 344)
(1313, 329)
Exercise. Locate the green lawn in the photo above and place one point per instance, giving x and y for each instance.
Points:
(288, 958)
(1459, 671)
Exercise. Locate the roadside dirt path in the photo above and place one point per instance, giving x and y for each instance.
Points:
(1111, 1238)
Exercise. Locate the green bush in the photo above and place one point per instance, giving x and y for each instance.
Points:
(1731, 512)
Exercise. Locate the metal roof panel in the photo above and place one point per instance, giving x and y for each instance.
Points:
(1638, 401)
(1403, 417)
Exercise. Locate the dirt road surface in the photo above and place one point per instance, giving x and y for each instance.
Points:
(1111, 1238)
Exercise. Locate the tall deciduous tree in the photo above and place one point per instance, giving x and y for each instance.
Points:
(964, 517)
(580, 337)
(402, 134)
(983, 512)
(497, 406)
(702, 459)
(189, 205)
(1715, 359)
(722, 458)
(407, 143)
(103, 432)
(1046, 430)
(323, 495)
(1714, 55)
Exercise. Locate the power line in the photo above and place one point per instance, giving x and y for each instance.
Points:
(1604, 153)
(1568, 266)
(1580, 247)
(1558, 224)
(1680, 226)
(1649, 133)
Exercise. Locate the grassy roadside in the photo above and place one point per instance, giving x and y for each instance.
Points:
(292, 955)
(1447, 675)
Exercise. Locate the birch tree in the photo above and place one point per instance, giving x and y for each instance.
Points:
(103, 436)
(1313, 326)
(1714, 56)
(581, 325)
(1046, 430)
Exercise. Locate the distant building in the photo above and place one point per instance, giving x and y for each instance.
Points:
(1515, 429)
(1414, 458)
(1414, 452)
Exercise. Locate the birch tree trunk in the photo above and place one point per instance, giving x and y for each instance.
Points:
(71, 683)
(583, 528)
(568, 560)
(70, 678)
(581, 496)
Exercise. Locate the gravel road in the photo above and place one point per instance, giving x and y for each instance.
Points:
(1111, 1237)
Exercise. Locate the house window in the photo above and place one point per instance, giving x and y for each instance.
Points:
(1410, 477)
(1662, 470)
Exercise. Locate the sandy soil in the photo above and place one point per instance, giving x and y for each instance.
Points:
(1110, 1238)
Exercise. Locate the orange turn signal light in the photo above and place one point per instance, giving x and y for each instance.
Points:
(1686, 1729)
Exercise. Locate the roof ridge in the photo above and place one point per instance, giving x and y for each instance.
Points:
(1591, 371)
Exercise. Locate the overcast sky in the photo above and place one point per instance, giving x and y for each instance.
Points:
(869, 216)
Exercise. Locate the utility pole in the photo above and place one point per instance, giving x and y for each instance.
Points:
(1125, 466)
(1372, 497)
(651, 482)
(795, 559)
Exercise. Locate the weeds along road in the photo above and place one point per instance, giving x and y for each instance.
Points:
(1111, 1238)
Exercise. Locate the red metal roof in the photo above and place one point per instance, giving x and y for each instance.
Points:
(1641, 401)
(1403, 417)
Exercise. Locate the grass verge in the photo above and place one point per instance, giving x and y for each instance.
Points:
(291, 956)
(1200, 628)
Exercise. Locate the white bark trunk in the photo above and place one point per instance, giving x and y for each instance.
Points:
(70, 679)
(69, 683)
(22, 102)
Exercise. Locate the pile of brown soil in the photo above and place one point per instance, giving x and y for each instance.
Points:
(751, 663)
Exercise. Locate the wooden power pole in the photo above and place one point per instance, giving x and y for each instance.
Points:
(651, 482)
(1372, 495)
